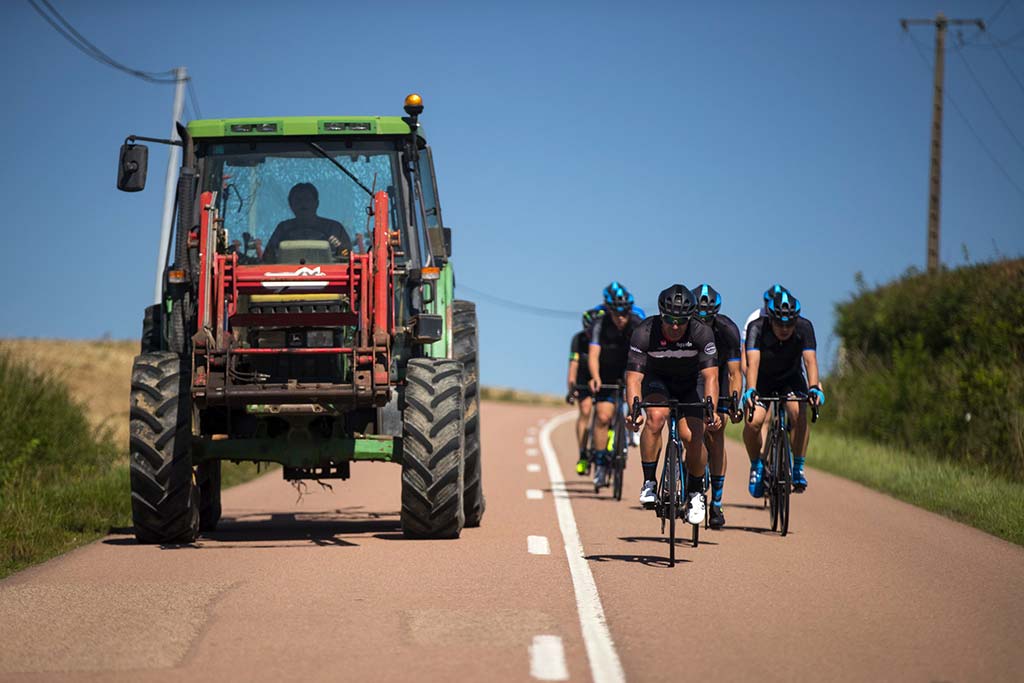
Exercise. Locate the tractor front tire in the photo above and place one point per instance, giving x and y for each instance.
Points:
(433, 449)
(208, 480)
(165, 498)
(466, 351)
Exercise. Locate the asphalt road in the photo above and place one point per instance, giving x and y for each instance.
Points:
(558, 584)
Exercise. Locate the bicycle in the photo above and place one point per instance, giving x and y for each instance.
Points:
(669, 502)
(617, 439)
(732, 404)
(777, 458)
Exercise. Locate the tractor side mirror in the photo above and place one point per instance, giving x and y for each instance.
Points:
(131, 167)
(448, 242)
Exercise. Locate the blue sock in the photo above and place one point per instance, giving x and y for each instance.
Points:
(798, 463)
(717, 485)
(650, 470)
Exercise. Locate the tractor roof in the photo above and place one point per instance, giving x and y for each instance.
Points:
(299, 125)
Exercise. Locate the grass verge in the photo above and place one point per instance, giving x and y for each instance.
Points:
(970, 495)
(63, 482)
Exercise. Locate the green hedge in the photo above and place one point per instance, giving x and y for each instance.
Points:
(934, 363)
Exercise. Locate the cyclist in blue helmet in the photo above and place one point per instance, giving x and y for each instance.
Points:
(579, 384)
(730, 381)
(609, 348)
(780, 348)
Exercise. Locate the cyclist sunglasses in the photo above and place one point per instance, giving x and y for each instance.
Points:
(675, 320)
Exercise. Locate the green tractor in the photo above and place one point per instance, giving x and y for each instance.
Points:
(307, 318)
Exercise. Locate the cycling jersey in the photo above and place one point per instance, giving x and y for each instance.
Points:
(727, 341)
(614, 345)
(578, 351)
(781, 365)
(650, 352)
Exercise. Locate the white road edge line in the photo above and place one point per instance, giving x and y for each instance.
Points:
(605, 666)
(547, 659)
(534, 494)
(538, 545)
(532, 452)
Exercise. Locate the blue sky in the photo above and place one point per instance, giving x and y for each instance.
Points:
(650, 142)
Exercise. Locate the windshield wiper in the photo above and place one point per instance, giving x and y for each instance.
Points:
(323, 152)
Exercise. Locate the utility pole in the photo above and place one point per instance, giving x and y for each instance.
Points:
(181, 76)
(941, 24)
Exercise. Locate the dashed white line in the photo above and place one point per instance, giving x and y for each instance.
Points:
(605, 666)
(532, 452)
(538, 545)
(547, 659)
(531, 430)
(534, 494)
(530, 440)
(533, 467)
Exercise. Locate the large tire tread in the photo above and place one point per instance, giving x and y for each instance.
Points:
(433, 457)
(165, 499)
(466, 351)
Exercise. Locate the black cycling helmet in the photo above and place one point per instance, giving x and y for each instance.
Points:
(590, 316)
(784, 308)
(617, 298)
(709, 302)
(677, 302)
(772, 291)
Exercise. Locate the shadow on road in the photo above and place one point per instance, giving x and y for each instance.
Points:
(277, 529)
(647, 560)
(750, 529)
(680, 540)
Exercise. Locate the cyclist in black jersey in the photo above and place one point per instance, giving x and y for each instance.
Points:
(609, 348)
(673, 356)
(579, 381)
(780, 346)
(730, 382)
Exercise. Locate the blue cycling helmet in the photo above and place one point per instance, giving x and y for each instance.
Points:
(784, 308)
(772, 291)
(592, 315)
(617, 298)
(709, 302)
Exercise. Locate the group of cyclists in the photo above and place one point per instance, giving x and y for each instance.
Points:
(690, 352)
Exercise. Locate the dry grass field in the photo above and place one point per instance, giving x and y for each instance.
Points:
(97, 373)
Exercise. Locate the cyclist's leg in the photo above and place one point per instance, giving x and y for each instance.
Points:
(586, 405)
(691, 433)
(753, 439)
(798, 442)
(717, 463)
(652, 389)
(604, 414)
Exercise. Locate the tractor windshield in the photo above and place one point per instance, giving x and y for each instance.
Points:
(283, 202)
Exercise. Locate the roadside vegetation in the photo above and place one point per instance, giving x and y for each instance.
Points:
(63, 477)
(518, 396)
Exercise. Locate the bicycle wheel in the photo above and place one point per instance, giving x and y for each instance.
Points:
(707, 487)
(785, 484)
(671, 492)
(619, 459)
(771, 483)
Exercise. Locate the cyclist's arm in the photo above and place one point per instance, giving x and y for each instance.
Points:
(735, 378)
(711, 383)
(574, 366)
(634, 381)
(594, 361)
(753, 364)
(811, 364)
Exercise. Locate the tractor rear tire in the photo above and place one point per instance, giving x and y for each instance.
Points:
(208, 480)
(464, 337)
(165, 498)
(433, 449)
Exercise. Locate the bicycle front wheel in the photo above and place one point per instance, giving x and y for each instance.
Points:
(772, 483)
(619, 459)
(671, 492)
(785, 484)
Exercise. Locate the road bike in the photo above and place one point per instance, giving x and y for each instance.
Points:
(732, 404)
(777, 458)
(669, 503)
(612, 451)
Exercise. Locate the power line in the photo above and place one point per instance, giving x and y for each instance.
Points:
(1005, 62)
(526, 308)
(68, 32)
(971, 128)
(984, 92)
(193, 99)
(999, 11)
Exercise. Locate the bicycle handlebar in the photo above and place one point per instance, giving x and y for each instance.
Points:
(786, 399)
(674, 406)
